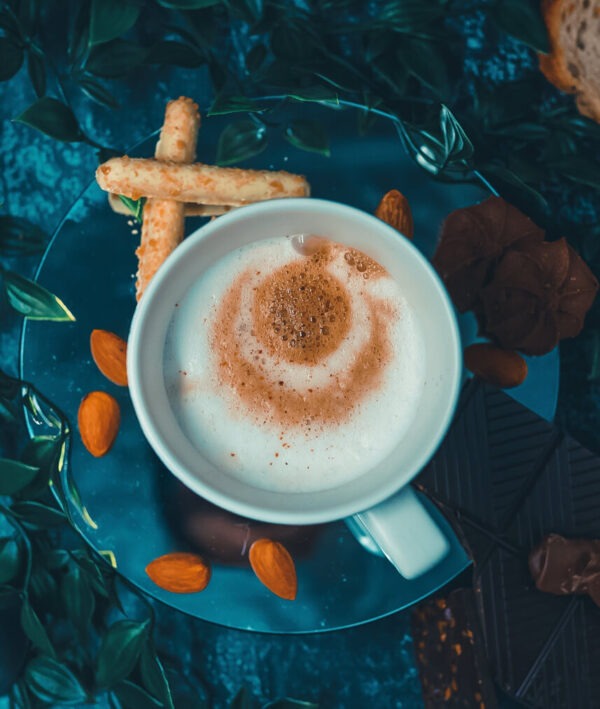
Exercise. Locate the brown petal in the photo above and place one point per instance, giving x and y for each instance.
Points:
(508, 315)
(552, 260)
(473, 239)
(543, 337)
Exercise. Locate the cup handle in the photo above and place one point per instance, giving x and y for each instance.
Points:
(405, 532)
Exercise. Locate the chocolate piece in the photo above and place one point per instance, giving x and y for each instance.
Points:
(539, 294)
(473, 240)
(566, 566)
(511, 478)
(450, 658)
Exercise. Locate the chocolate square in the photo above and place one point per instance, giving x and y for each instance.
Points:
(506, 478)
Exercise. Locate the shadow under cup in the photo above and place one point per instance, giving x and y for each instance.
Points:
(421, 288)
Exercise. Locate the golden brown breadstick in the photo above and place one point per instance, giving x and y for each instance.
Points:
(163, 223)
(179, 134)
(202, 184)
(190, 209)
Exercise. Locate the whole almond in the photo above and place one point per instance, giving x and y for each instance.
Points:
(275, 568)
(502, 368)
(109, 352)
(179, 572)
(98, 419)
(394, 210)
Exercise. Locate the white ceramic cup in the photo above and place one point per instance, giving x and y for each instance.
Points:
(381, 500)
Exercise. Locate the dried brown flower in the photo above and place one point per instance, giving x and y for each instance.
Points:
(473, 240)
(539, 294)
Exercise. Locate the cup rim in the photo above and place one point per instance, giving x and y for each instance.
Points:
(143, 317)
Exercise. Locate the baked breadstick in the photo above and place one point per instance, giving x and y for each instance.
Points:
(190, 209)
(163, 223)
(199, 183)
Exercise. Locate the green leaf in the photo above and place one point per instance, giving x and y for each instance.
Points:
(92, 571)
(20, 237)
(33, 301)
(318, 94)
(36, 515)
(523, 20)
(11, 58)
(578, 168)
(119, 651)
(240, 141)
(287, 703)
(35, 631)
(132, 696)
(188, 4)
(171, 53)
(340, 77)
(56, 559)
(79, 34)
(224, 104)
(390, 71)
(594, 349)
(251, 11)
(425, 60)
(45, 453)
(19, 696)
(115, 59)
(111, 18)
(37, 73)
(294, 40)
(457, 146)
(78, 600)
(154, 677)
(9, 559)
(366, 116)
(14, 475)
(53, 682)
(514, 189)
(97, 92)
(135, 206)
(308, 135)
(9, 386)
(9, 598)
(43, 589)
(53, 118)
(255, 58)
(524, 131)
(445, 152)
(407, 15)
(241, 700)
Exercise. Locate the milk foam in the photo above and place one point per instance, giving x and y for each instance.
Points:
(256, 446)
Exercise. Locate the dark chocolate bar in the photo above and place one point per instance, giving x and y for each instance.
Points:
(510, 478)
(448, 645)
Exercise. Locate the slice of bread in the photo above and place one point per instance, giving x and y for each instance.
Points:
(573, 64)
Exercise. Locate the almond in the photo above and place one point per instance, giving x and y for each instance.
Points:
(179, 572)
(502, 368)
(394, 210)
(98, 420)
(110, 355)
(275, 568)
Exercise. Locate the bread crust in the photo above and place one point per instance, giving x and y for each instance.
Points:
(555, 65)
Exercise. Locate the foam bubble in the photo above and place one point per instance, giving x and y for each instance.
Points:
(292, 359)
